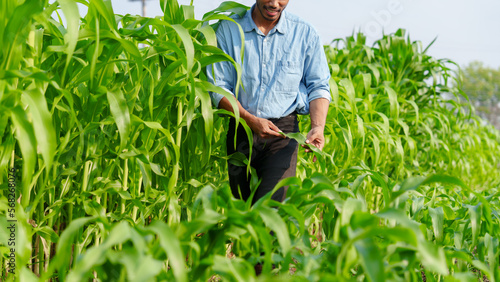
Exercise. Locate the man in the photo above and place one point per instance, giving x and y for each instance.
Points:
(284, 73)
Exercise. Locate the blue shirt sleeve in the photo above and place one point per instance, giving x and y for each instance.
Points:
(316, 72)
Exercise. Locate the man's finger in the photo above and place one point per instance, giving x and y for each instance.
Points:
(306, 147)
(274, 127)
(316, 144)
(274, 133)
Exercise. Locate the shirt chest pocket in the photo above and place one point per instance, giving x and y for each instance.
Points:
(289, 75)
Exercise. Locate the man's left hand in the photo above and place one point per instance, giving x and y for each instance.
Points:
(316, 138)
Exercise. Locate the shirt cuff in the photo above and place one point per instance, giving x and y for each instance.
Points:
(320, 93)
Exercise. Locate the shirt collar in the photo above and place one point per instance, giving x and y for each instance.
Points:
(250, 25)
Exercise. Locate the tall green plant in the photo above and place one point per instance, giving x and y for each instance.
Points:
(93, 121)
(392, 113)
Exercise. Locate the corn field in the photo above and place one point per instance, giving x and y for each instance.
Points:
(113, 163)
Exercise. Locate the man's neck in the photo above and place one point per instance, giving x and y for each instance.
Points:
(264, 25)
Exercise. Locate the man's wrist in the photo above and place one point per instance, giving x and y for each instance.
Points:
(318, 127)
(248, 117)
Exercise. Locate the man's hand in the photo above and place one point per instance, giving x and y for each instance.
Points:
(264, 128)
(316, 138)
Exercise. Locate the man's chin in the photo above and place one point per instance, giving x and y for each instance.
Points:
(275, 18)
(271, 18)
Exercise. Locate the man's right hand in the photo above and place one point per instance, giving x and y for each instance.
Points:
(263, 128)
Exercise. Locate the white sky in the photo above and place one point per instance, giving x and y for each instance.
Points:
(465, 30)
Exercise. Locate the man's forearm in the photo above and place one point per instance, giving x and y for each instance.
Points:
(319, 109)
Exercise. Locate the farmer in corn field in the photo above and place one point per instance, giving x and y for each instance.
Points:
(285, 73)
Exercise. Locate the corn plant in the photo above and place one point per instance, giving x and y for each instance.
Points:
(394, 110)
(96, 123)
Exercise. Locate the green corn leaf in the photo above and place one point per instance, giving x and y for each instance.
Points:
(393, 101)
(437, 215)
(72, 16)
(216, 58)
(47, 233)
(206, 109)
(228, 6)
(172, 11)
(24, 233)
(348, 209)
(294, 212)
(371, 259)
(334, 90)
(301, 139)
(25, 136)
(483, 267)
(276, 223)
(132, 49)
(94, 256)
(146, 175)
(297, 136)
(492, 248)
(188, 12)
(106, 11)
(15, 32)
(210, 87)
(211, 17)
(349, 91)
(209, 34)
(235, 269)
(42, 125)
(6, 150)
(170, 244)
(361, 127)
(64, 246)
(27, 275)
(120, 233)
(138, 266)
(432, 257)
(188, 45)
(475, 213)
(94, 209)
(444, 179)
(375, 72)
(121, 114)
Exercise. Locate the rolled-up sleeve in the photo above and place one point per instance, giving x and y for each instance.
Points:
(316, 72)
(222, 74)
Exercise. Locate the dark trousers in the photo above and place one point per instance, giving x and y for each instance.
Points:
(273, 158)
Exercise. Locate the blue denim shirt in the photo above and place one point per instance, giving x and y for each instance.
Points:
(282, 72)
